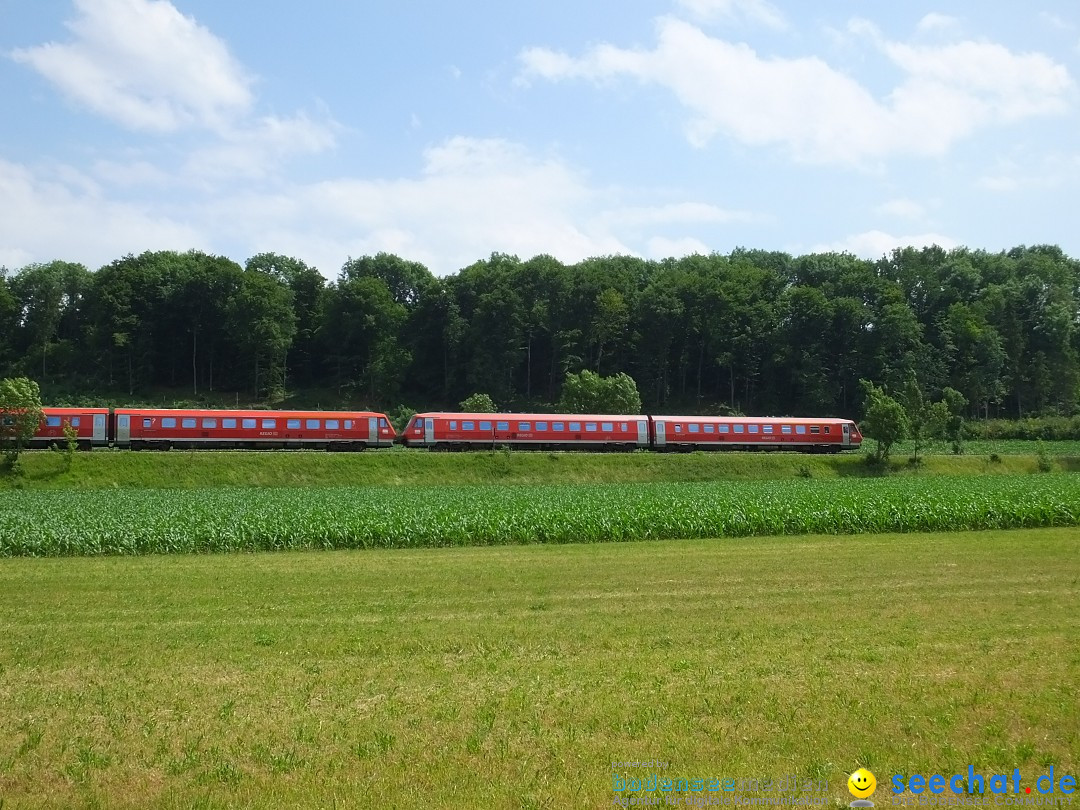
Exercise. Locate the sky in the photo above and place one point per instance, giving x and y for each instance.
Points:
(444, 132)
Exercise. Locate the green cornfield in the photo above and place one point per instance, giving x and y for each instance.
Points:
(44, 523)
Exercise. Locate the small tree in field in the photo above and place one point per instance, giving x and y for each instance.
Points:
(885, 421)
(954, 423)
(478, 403)
(20, 416)
(588, 392)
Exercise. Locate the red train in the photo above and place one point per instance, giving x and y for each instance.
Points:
(163, 429)
(552, 431)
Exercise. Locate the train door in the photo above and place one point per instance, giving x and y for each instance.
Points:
(429, 431)
(643, 433)
(373, 430)
(846, 432)
(99, 428)
(123, 429)
(661, 434)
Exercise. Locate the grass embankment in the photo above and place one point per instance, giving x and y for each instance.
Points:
(514, 677)
(187, 469)
(47, 523)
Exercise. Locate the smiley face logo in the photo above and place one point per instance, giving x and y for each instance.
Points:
(862, 784)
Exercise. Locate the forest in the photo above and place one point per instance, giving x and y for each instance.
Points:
(754, 332)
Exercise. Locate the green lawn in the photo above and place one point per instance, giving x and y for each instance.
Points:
(514, 677)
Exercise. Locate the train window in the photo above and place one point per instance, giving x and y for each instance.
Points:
(248, 424)
(785, 428)
(453, 425)
(826, 428)
(147, 423)
(168, 421)
(624, 427)
(766, 428)
(739, 428)
(8, 421)
(269, 424)
(710, 429)
(524, 426)
(641, 425)
(752, 428)
(608, 427)
(382, 423)
(209, 423)
(348, 424)
(468, 425)
(312, 424)
(815, 429)
(725, 428)
(800, 428)
(541, 425)
(52, 421)
(292, 424)
(558, 427)
(575, 427)
(188, 422)
(228, 424)
(74, 421)
(332, 424)
(590, 427)
(485, 425)
(678, 428)
(694, 428)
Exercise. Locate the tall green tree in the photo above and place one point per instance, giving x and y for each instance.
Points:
(884, 421)
(20, 415)
(588, 392)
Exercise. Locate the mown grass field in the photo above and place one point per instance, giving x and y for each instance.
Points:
(194, 469)
(513, 677)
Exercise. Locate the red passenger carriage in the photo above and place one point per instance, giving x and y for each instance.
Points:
(754, 433)
(91, 427)
(154, 428)
(529, 431)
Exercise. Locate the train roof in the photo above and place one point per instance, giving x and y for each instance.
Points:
(242, 412)
(73, 411)
(754, 420)
(532, 417)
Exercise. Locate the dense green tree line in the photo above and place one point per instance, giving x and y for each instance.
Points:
(754, 331)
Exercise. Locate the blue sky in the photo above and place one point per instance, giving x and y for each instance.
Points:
(443, 132)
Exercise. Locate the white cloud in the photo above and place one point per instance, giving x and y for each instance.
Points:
(758, 11)
(938, 22)
(60, 214)
(472, 197)
(660, 247)
(680, 213)
(902, 208)
(145, 65)
(875, 244)
(253, 150)
(816, 112)
(1056, 22)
